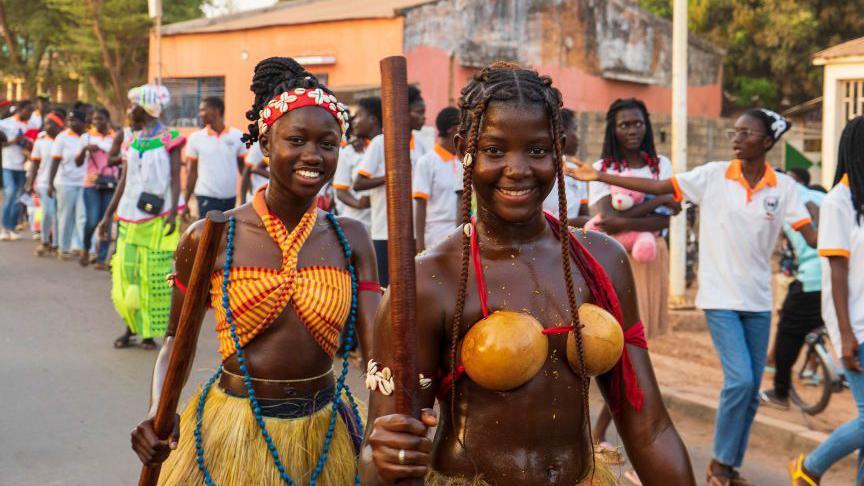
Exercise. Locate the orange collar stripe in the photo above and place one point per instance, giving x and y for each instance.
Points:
(769, 178)
(445, 154)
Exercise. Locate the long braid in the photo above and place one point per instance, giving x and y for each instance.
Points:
(612, 154)
(850, 162)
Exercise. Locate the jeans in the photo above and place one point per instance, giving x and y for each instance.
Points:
(801, 314)
(206, 204)
(847, 438)
(96, 203)
(741, 340)
(381, 257)
(49, 217)
(13, 187)
(70, 218)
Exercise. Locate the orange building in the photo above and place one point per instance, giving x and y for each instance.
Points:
(595, 50)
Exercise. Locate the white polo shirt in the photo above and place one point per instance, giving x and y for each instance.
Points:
(577, 195)
(216, 154)
(738, 229)
(372, 165)
(343, 180)
(66, 148)
(434, 180)
(42, 153)
(254, 157)
(840, 234)
(13, 154)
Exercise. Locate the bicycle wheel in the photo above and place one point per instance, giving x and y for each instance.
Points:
(811, 382)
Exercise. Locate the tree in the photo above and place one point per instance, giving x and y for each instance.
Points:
(29, 34)
(770, 43)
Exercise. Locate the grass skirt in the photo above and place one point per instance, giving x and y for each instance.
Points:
(139, 271)
(235, 452)
(603, 476)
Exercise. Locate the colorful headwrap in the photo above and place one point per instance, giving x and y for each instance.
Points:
(298, 98)
(774, 122)
(152, 97)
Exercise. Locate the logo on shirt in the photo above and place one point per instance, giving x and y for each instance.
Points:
(771, 203)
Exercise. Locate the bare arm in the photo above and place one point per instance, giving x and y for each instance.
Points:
(115, 199)
(191, 177)
(840, 293)
(348, 199)
(245, 184)
(363, 257)
(55, 166)
(114, 155)
(420, 224)
(364, 183)
(82, 156)
(808, 231)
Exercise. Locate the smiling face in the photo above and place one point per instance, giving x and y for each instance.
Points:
(750, 140)
(303, 146)
(514, 168)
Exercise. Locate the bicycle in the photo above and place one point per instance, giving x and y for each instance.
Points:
(816, 375)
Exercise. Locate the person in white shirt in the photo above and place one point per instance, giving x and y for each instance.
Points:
(365, 125)
(435, 193)
(841, 246)
(68, 172)
(40, 156)
(371, 177)
(577, 191)
(743, 204)
(215, 158)
(15, 129)
(256, 173)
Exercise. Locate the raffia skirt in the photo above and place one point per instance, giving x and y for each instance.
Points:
(652, 290)
(235, 452)
(602, 476)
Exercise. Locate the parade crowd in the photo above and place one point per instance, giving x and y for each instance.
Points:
(501, 182)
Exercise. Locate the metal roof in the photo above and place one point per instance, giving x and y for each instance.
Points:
(853, 47)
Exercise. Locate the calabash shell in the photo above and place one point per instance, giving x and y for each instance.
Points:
(602, 338)
(504, 351)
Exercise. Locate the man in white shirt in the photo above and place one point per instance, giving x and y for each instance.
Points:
(15, 129)
(434, 182)
(365, 125)
(66, 183)
(371, 177)
(214, 156)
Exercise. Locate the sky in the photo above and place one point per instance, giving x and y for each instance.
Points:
(222, 7)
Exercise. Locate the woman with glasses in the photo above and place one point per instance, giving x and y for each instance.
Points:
(743, 204)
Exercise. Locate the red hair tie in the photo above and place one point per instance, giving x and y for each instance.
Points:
(56, 119)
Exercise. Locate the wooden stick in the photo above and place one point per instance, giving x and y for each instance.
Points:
(186, 337)
(400, 230)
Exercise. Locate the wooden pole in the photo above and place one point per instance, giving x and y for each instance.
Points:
(400, 230)
(186, 337)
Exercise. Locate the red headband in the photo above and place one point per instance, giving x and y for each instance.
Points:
(56, 119)
(298, 98)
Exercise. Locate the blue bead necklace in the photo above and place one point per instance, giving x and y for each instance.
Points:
(341, 386)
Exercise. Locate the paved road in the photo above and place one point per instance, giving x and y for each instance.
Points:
(68, 399)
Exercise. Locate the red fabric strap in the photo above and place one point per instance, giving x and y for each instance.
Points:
(179, 285)
(369, 286)
(478, 270)
(558, 330)
(623, 382)
(447, 381)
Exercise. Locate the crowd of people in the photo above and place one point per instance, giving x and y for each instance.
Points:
(496, 199)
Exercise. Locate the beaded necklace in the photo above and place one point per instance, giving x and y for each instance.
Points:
(341, 386)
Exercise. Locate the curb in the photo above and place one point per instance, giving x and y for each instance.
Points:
(791, 437)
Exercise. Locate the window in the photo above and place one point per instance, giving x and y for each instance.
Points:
(186, 96)
(852, 97)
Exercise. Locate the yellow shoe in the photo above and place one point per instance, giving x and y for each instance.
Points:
(797, 474)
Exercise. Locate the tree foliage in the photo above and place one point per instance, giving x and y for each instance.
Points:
(29, 34)
(770, 43)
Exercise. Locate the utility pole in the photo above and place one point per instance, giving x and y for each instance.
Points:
(154, 8)
(678, 224)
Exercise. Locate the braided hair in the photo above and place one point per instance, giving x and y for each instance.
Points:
(612, 155)
(508, 82)
(850, 162)
(273, 76)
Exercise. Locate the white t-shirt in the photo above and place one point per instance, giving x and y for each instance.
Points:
(840, 234)
(66, 148)
(254, 157)
(13, 154)
(42, 153)
(738, 231)
(343, 180)
(216, 154)
(372, 165)
(577, 194)
(434, 179)
(599, 190)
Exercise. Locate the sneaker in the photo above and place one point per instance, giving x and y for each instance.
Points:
(770, 398)
(4, 235)
(65, 256)
(13, 236)
(36, 236)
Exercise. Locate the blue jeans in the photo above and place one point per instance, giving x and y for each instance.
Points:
(13, 187)
(206, 204)
(96, 203)
(847, 438)
(49, 217)
(70, 218)
(741, 340)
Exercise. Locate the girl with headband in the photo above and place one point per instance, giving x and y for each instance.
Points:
(743, 204)
(288, 278)
(520, 338)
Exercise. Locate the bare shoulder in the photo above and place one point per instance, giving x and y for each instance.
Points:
(607, 251)
(438, 268)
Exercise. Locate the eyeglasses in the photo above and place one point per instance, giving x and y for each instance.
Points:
(734, 133)
(628, 125)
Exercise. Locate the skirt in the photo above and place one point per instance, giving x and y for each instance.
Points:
(603, 476)
(139, 272)
(652, 290)
(236, 454)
